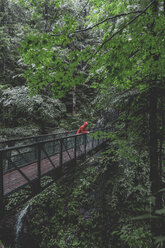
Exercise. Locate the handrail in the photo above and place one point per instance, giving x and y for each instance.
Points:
(34, 137)
(40, 142)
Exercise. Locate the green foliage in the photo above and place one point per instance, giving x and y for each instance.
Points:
(21, 131)
(64, 215)
(17, 198)
(137, 238)
(125, 60)
(20, 108)
(94, 200)
(12, 32)
(122, 54)
(47, 49)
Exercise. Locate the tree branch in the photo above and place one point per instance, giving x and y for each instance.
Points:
(83, 8)
(107, 19)
(97, 24)
(120, 30)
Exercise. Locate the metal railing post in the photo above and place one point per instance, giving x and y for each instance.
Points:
(54, 136)
(85, 144)
(36, 150)
(75, 149)
(1, 184)
(61, 150)
(39, 165)
(36, 185)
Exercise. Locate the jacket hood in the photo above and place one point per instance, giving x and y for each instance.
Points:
(85, 124)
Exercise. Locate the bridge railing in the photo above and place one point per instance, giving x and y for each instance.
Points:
(34, 139)
(27, 164)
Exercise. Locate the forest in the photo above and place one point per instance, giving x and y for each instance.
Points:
(63, 62)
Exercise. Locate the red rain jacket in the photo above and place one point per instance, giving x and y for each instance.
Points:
(83, 128)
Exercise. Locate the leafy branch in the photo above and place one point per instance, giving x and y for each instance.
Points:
(108, 19)
(99, 23)
(83, 8)
(121, 29)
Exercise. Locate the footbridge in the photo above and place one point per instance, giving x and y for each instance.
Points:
(25, 162)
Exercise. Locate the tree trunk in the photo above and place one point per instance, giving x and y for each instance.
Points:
(161, 134)
(46, 17)
(2, 24)
(154, 166)
(74, 101)
(153, 144)
(126, 118)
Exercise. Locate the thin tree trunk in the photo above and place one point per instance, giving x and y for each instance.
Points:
(154, 172)
(126, 118)
(46, 17)
(161, 136)
(74, 101)
(2, 24)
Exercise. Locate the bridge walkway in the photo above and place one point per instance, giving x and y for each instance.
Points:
(27, 164)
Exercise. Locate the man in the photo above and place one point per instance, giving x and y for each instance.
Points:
(83, 128)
